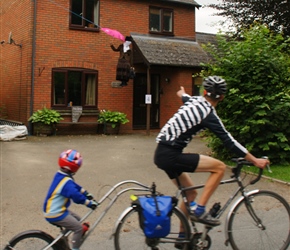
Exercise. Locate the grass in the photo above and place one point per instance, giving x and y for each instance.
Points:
(278, 172)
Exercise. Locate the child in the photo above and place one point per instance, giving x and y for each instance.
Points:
(63, 189)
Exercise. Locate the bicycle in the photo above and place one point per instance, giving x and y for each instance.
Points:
(39, 240)
(258, 219)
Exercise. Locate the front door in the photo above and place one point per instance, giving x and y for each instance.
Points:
(139, 106)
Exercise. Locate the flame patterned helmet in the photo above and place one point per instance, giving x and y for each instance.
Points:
(70, 160)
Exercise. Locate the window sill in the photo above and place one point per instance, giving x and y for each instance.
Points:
(90, 29)
(161, 33)
(85, 112)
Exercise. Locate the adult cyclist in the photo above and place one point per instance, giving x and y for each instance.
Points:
(197, 113)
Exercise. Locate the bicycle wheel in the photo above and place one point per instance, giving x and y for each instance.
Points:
(272, 233)
(32, 240)
(129, 235)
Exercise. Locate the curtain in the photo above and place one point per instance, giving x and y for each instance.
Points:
(91, 90)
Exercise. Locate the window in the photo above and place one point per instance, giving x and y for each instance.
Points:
(160, 20)
(84, 14)
(76, 86)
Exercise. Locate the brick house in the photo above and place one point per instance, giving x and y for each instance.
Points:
(53, 53)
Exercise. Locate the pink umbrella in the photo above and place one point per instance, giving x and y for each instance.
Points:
(114, 33)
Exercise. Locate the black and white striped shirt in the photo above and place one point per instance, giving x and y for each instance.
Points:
(194, 115)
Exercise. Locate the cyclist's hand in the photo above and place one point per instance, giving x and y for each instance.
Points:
(93, 205)
(88, 195)
(261, 163)
(180, 92)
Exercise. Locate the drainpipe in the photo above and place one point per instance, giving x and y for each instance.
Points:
(32, 66)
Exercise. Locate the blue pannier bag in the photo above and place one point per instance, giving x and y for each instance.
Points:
(154, 214)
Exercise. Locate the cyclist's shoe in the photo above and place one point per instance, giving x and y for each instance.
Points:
(206, 219)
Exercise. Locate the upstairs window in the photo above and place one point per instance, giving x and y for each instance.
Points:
(84, 14)
(160, 20)
(75, 86)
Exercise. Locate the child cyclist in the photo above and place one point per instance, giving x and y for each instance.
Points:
(62, 190)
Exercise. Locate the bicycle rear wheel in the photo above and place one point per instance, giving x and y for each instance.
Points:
(129, 235)
(273, 231)
(32, 240)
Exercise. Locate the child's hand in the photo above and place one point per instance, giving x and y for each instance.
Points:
(88, 195)
(93, 205)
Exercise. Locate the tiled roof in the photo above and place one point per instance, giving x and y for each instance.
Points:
(168, 51)
(205, 38)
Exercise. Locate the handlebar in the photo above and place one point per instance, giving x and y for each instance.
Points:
(241, 162)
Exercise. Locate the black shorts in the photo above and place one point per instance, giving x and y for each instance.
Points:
(173, 161)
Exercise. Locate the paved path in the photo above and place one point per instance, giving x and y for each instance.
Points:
(28, 166)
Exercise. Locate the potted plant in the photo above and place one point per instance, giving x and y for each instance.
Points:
(112, 120)
(44, 121)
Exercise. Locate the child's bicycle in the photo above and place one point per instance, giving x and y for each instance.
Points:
(258, 219)
(39, 240)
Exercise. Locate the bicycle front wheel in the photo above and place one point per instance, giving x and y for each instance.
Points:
(129, 235)
(272, 232)
(32, 240)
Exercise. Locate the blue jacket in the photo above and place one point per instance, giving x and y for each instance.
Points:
(63, 189)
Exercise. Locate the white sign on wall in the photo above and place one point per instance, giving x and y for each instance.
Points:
(148, 99)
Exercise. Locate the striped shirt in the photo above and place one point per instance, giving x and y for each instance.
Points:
(193, 116)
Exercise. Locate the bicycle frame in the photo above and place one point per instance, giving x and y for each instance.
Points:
(138, 187)
(241, 189)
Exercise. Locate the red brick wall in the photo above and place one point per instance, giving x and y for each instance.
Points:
(169, 101)
(16, 61)
(58, 46)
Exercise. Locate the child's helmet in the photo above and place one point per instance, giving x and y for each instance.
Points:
(70, 160)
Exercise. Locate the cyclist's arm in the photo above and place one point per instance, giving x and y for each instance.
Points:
(214, 123)
(258, 162)
(181, 93)
(72, 191)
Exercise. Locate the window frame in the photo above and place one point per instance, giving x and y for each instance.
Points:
(83, 26)
(84, 73)
(161, 16)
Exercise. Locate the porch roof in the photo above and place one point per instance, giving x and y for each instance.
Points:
(168, 51)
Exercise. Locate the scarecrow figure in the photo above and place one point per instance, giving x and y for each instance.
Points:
(124, 61)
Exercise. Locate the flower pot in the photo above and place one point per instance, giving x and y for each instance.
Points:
(41, 129)
(109, 130)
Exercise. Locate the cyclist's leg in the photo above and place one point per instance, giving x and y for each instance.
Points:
(217, 169)
(71, 222)
(185, 181)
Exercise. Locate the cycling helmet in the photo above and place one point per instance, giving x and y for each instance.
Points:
(215, 86)
(70, 160)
